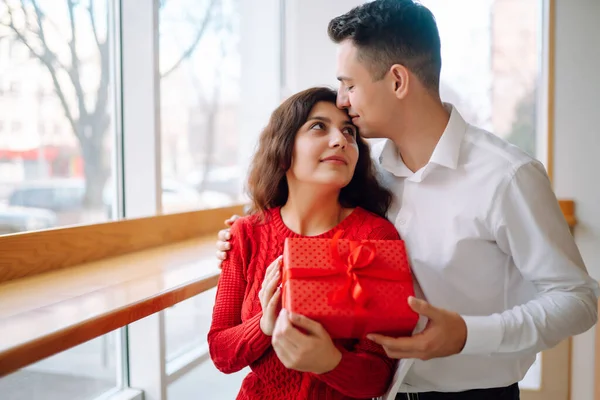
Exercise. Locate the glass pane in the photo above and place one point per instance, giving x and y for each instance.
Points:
(56, 117)
(206, 382)
(200, 99)
(56, 146)
(188, 322)
(491, 64)
(81, 373)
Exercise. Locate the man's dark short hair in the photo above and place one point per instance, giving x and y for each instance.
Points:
(388, 32)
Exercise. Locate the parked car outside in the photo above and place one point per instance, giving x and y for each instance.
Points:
(14, 219)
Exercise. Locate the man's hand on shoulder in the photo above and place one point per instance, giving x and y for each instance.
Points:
(223, 238)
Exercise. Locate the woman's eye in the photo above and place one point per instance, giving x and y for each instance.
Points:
(350, 131)
(318, 126)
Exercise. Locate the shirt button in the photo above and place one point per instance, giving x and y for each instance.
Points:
(401, 221)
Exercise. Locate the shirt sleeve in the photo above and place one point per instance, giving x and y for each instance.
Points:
(529, 226)
(234, 344)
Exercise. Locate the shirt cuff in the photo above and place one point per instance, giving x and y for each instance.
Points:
(484, 334)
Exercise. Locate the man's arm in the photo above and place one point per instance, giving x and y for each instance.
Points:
(530, 227)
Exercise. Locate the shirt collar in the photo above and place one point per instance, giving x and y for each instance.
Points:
(391, 161)
(446, 152)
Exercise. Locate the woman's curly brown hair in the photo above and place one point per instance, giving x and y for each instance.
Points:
(267, 183)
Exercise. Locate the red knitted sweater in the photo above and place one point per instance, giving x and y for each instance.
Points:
(236, 340)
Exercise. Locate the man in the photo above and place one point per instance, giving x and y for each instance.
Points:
(487, 241)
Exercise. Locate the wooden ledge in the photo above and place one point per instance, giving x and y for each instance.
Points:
(32, 253)
(45, 314)
(568, 209)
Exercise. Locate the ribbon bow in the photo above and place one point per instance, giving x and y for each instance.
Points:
(354, 267)
(360, 256)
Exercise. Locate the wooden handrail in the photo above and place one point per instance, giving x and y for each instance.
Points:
(62, 287)
(43, 315)
(28, 254)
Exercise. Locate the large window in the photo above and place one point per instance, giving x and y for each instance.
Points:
(56, 150)
(200, 103)
(56, 119)
(206, 382)
(492, 65)
(213, 56)
(82, 373)
(200, 100)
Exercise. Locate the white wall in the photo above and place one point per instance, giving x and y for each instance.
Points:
(260, 74)
(310, 56)
(577, 149)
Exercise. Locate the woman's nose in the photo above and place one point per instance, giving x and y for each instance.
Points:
(338, 139)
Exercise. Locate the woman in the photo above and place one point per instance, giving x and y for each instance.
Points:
(311, 177)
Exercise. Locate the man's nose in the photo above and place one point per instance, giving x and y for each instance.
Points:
(342, 101)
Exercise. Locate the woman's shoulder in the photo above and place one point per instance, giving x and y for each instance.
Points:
(253, 222)
(246, 223)
(374, 226)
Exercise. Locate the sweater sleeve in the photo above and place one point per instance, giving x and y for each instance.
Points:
(234, 344)
(366, 371)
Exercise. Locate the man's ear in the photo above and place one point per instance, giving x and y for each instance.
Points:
(400, 78)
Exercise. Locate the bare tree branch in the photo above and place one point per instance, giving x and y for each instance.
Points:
(102, 92)
(188, 52)
(93, 21)
(48, 59)
(74, 70)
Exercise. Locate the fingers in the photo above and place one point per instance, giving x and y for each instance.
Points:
(223, 246)
(221, 255)
(423, 308)
(404, 347)
(272, 270)
(273, 305)
(224, 235)
(288, 331)
(285, 334)
(231, 220)
(270, 282)
(274, 267)
(284, 350)
(408, 344)
(313, 327)
(269, 286)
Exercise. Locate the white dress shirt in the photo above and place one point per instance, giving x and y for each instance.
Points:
(487, 239)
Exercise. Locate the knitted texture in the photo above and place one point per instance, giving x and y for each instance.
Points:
(236, 340)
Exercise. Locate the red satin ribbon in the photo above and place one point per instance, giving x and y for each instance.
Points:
(353, 267)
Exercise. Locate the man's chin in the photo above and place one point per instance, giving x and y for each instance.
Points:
(366, 133)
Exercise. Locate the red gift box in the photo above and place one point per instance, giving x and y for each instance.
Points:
(352, 288)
